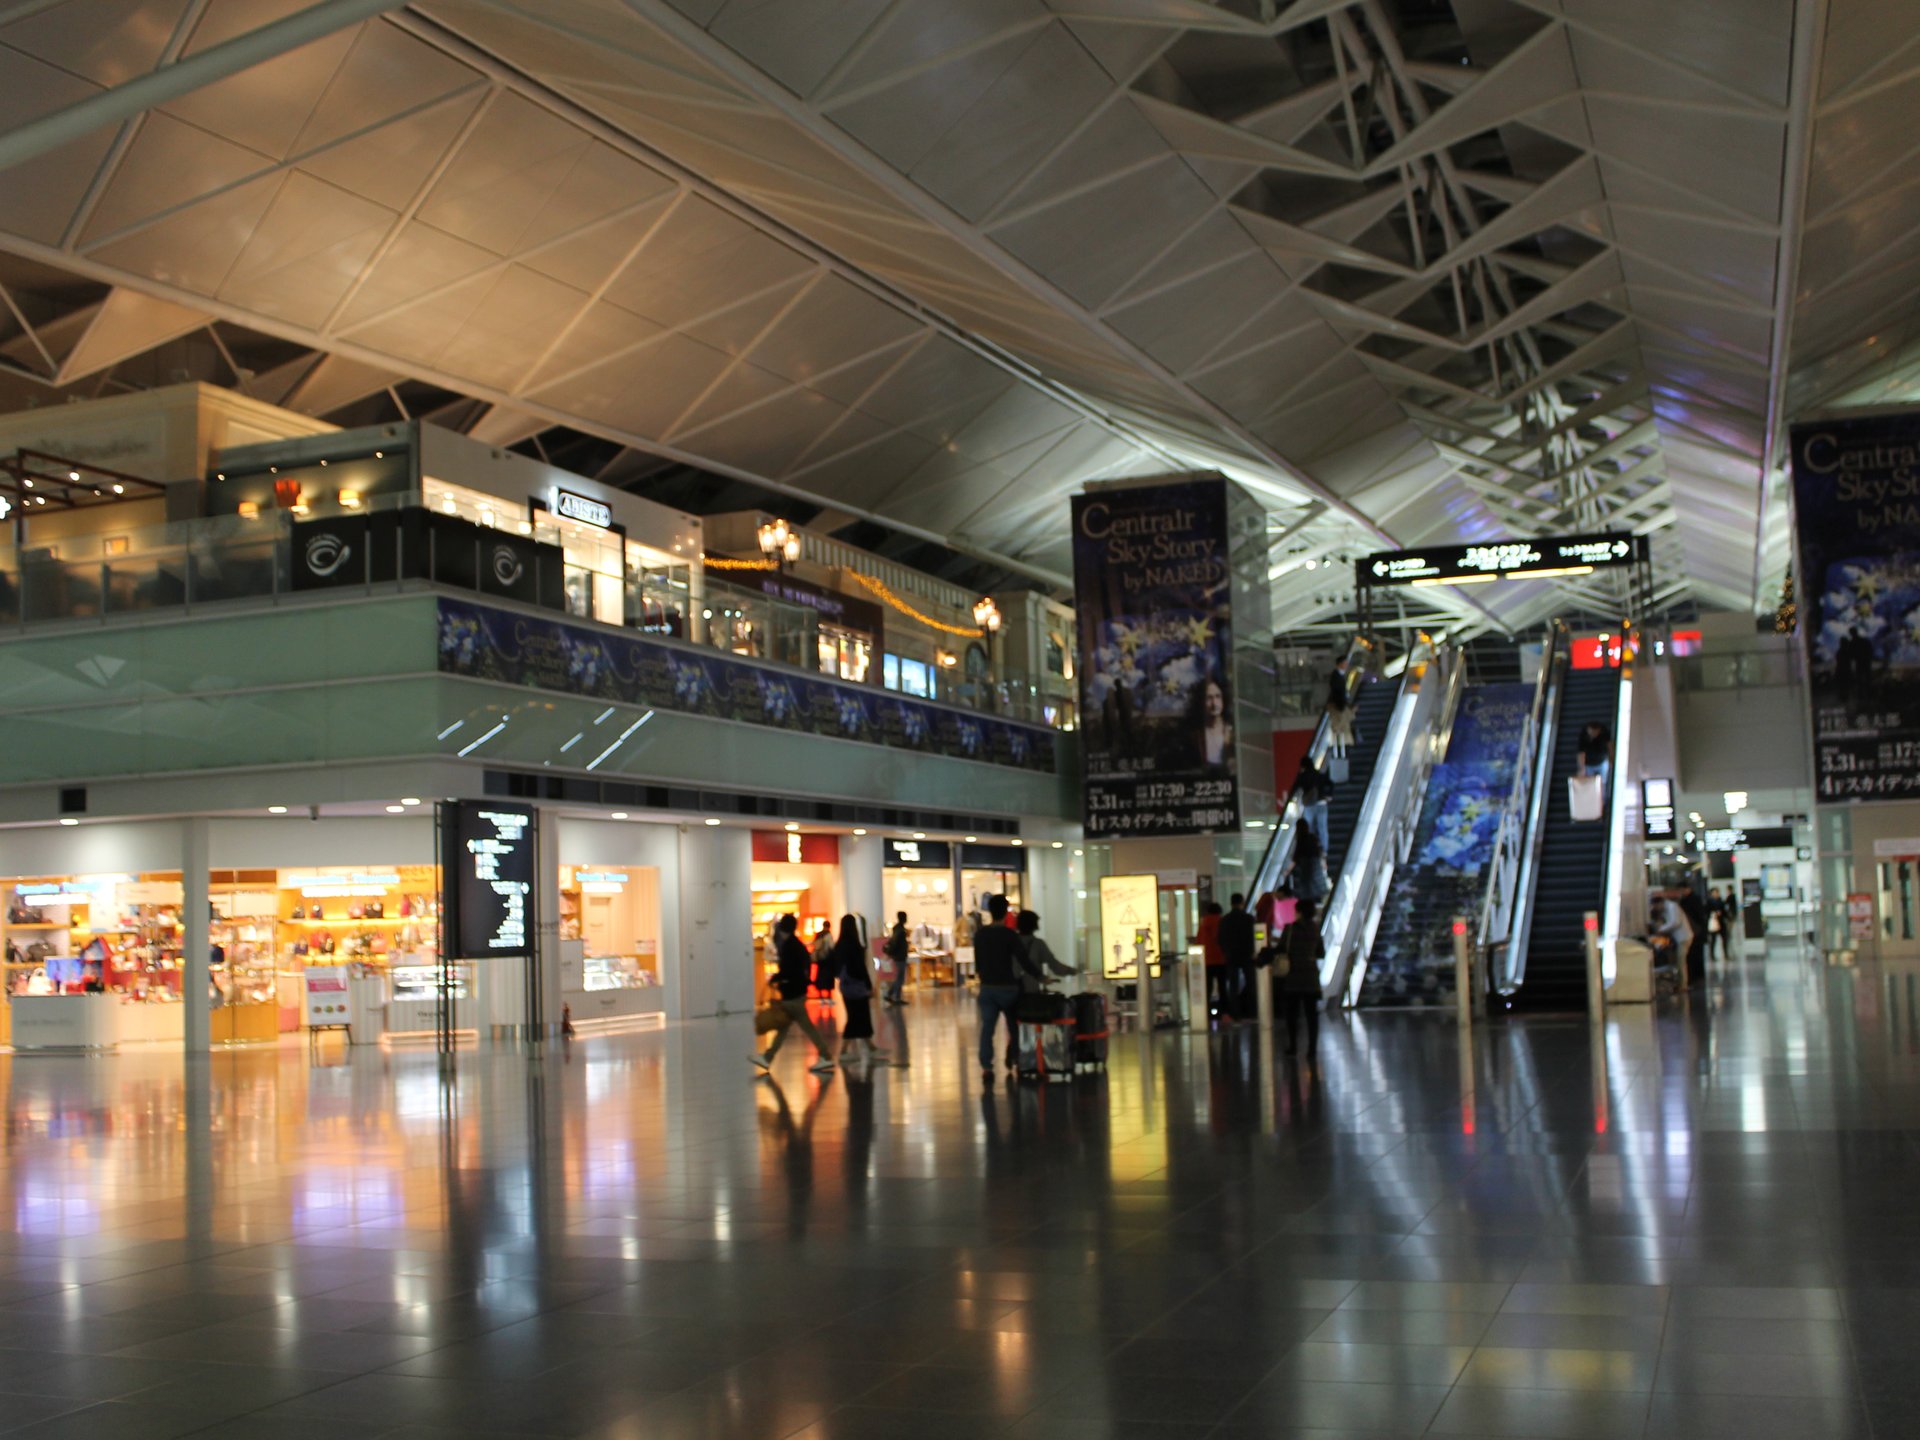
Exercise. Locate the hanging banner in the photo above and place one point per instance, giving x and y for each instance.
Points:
(1856, 489)
(1153, 590)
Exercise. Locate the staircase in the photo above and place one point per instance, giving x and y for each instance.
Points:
(1371, 712)
(1571, 875)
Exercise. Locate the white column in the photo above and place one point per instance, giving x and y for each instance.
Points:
(195, 939)
(862, 862)
(715, 957)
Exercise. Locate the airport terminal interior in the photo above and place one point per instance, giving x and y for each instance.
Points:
(1173, 719)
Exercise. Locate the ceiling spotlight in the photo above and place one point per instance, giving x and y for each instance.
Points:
(619, 815)
(396, 809)
(69, 820)
(919, 834)
(859, 832)
(1059, 844)
(973, 839)
(276, 809)
(711, 821)
(119, 489)
(409, 799)
(792, 825)
(1019, 842)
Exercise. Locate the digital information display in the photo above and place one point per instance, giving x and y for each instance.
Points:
(1500, 560)
(488, 868)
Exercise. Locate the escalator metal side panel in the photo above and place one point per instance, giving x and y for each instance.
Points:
(1367, 870)
(1521, 930)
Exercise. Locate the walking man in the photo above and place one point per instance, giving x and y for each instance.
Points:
(796, 969)
(897, 952)
(1237, 944)
(998, 959)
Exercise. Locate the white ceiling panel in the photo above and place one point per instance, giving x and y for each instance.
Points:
(941, 262)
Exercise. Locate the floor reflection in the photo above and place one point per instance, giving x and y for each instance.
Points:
(1691, 1220)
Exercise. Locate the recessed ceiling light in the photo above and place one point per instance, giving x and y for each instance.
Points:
(859, 832)
(711, 821)
(276, 809)
(1059, 844)
(69, 821)
(396, 809)
(791, 825)
(1020, 842)
(919, 834)
(973, 839)
(409, 799)
(619, 814)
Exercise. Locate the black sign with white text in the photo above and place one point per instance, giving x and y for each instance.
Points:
(1468, 564)
(488, 872)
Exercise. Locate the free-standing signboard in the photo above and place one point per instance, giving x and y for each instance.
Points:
(1856, 490)
(1129, 925)
(487, 869)
(1153, 588)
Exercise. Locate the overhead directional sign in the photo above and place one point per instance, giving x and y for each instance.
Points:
(1477, 563)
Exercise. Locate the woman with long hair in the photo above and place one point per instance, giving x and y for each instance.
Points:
(1207, 718)
(849, 963)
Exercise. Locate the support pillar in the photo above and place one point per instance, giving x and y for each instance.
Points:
(196, 846)
(862, 859)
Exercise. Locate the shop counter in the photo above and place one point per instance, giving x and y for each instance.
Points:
(259, 1020)
(623, 1008)
(93, 1022)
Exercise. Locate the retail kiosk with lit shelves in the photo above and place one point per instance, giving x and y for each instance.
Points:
(793, 874)
(610, 961)
(93, 952)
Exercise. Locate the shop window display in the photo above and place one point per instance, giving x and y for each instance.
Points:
(610, 946)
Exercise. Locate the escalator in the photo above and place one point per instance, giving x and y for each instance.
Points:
(1371, 712)
(1570, 875)
(1445, 874)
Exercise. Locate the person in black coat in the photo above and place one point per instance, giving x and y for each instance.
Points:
(1238, 943)
(790, 981)
(1300, 986)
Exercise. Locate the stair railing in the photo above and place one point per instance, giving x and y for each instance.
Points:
(1416, 739)
(1506, 910)
(1506, 944)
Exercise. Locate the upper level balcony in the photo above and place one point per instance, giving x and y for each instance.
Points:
(398, 632)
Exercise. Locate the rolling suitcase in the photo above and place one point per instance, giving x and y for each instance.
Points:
(1044, 1050)
(1089, 1032)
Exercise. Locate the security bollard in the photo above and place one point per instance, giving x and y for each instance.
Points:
(1462, 971)
(1596, 982)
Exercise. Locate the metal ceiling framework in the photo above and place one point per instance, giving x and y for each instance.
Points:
(1411, 269)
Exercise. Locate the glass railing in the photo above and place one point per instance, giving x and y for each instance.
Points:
(232, 560)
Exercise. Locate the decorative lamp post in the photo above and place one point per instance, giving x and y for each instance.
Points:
(780, 543)
(986, 615)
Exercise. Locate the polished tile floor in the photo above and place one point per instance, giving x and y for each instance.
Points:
(1707, 1225)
